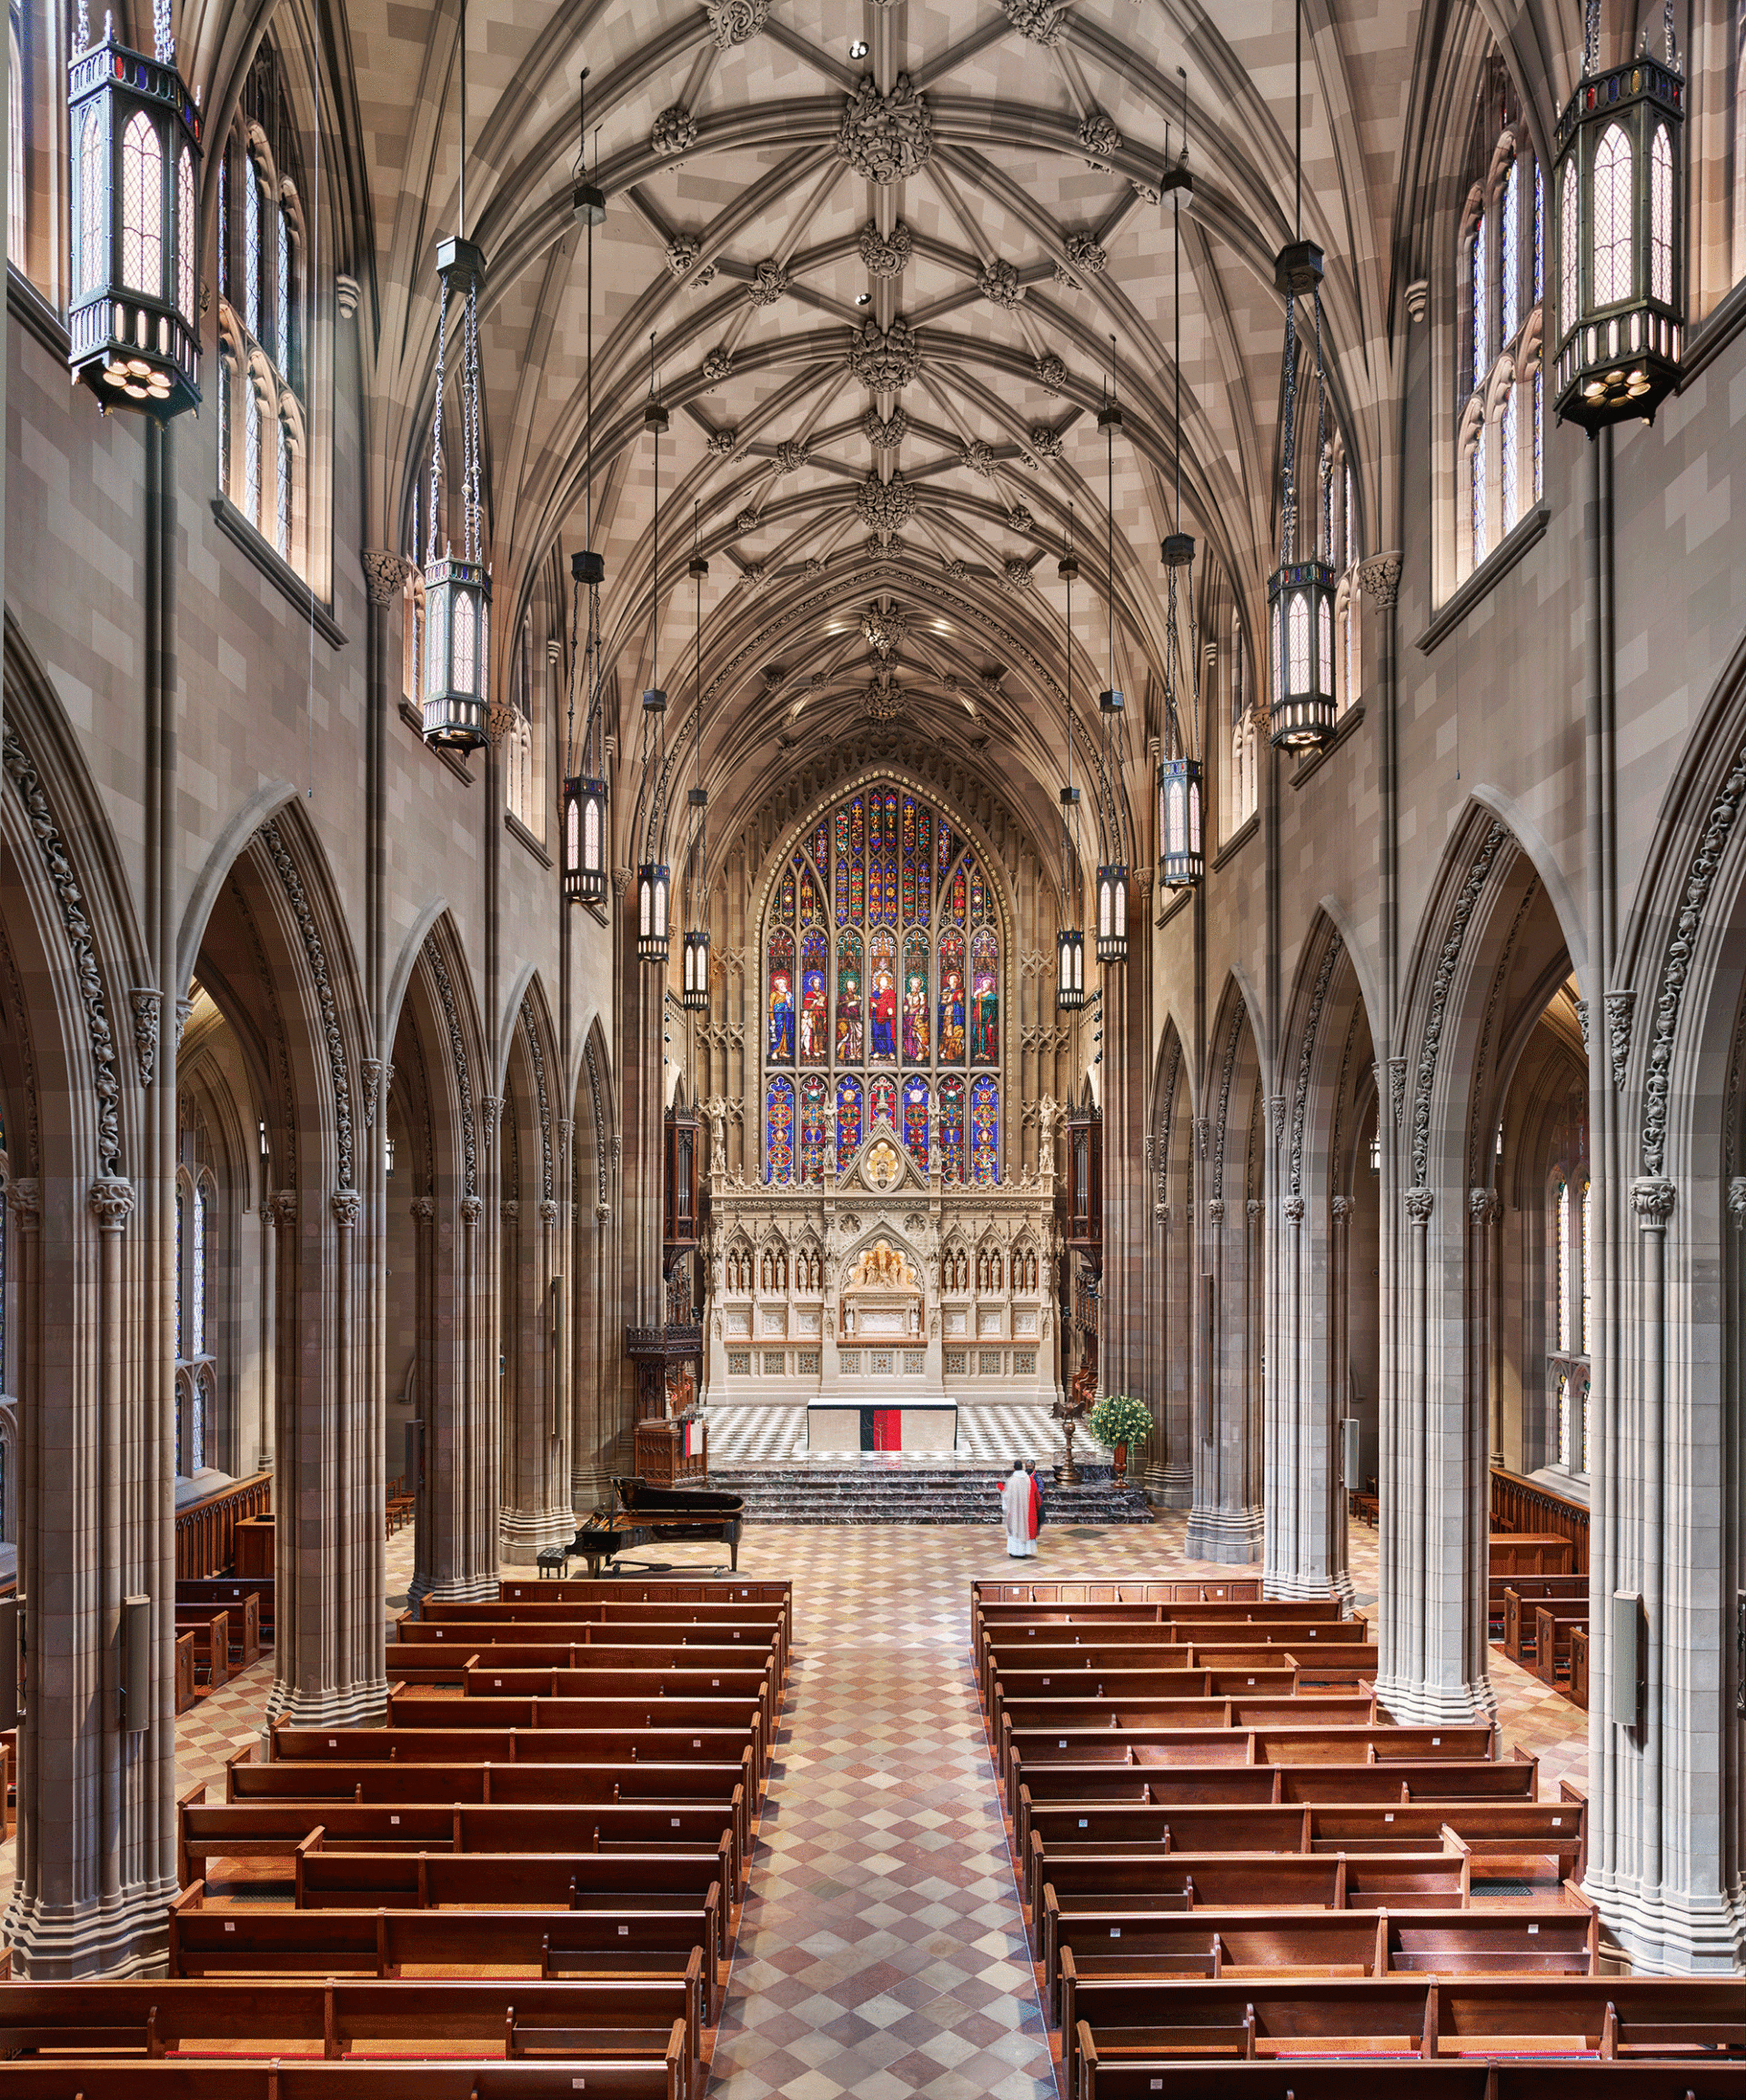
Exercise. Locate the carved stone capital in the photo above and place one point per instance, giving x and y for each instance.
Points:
(385, 575)
(1253, 1207)
(111, 1201)
(184, 1008)
(1342, 1208)
(371, 1071)
(146, 1006)
(1736, 1200)
(472, 1209)
(1652, 1200)
(1418, 298)
(279, 1207)
(25, 1197)
(346, 295)
(620, 882)
(347, 1206)
(549, 1210)
(1418, 1203)
(603, 1213)
(423, 1208)
(1484, 1206)
(491, 1109)
(1293, 1208)
(1379, 578)
(1620, 1006)
(1216, 1209)
(510, 1211)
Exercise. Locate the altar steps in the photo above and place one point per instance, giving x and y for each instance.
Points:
(913, 1494)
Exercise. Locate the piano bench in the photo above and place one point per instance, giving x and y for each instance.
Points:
(552, 1561)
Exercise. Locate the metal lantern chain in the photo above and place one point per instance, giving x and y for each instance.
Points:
(586, 806)
(1112, 869)
(1181, 858)
(653, 875)
(1070, 941)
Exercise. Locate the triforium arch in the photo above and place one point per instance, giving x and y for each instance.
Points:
(453, 1446)
(1169, 1300)
(532, 1198)
(87, 1235)
(1226, 1521)
(1326, 1063)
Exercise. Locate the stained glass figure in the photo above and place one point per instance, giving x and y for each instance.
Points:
(916, 1029)
(882, 1011)
(815, 1020)
(778, 1130)
(821, 845)
(915, 1119)
(812, 900)
(951, 996)
(985, 997)
(985, 1131)
(790, 876)
(948, 843)
(852, 1017)
(848, 1119)
(882, 1102)
(978, 895)
(815, 1090)
(951, 1129)
(781, 998)
(959, 895)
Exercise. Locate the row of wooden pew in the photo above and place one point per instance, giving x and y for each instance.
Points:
(222, 1624)
(1542, 1622)
(507, 1895)
(1218, 1879)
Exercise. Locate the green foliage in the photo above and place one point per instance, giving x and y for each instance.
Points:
(1120, 1418)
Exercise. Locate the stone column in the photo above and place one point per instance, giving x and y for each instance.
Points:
(1339, 1305)
(327, 1603)
(1401, 1662)
(1225, 1522)
(1483, 1209)
(535, 1504)
(1652, 1201)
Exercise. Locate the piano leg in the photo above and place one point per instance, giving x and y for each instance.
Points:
(733, 1548)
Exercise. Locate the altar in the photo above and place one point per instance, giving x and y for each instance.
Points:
(899, 1425)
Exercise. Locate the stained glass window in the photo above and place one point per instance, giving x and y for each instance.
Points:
(849, 1128)
(1563, 1279)
(951, 1128)
(1512, 463)
(985, 1131)
(778, 1130)
(1509, 259)
(915, 1117)
(1481, 300)
(883, 946)
(197, 1274)
(815, 1090)
(197, 1426)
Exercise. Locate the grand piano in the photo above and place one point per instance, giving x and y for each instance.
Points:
(642, 1515)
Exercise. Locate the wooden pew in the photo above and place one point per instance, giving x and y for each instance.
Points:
(234, 1590)
(635, 1587)
(265, 1830)
(1579, 1685)
(244, 1616)
(1531, 1588)
(1429, 1781)
(1511, 1834)
(1146, 1589)
(1137, 2077)
(614, 1882)
(445, 1718)
(383, 1942)
(184, 1690)
(606, 2077)
(508, 1782)
(1531, 1553)
(211, 1650)
(1554, 1628)
(456, 2016)
(750, 1626)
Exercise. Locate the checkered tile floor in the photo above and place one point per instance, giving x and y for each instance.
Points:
(745, 1432)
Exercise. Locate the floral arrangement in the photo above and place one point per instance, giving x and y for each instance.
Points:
(1120, 1418)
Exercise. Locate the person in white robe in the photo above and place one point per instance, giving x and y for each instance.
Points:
(1016, 1510)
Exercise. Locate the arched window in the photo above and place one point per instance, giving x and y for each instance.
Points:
(1500, 405)
(262, 297)
(1738, 102)
(884, 976)
(1661, 217)
(1240, 778)
(1341, 540)
(142, 207)
(195, 1365)
(1570, 1299)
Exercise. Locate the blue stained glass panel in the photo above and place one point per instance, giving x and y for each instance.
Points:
(778, 1130)
(882, 1102)
(815, 1090)
(849, 1128)
(915, 1119)
(951, 1129)
(985, 1131)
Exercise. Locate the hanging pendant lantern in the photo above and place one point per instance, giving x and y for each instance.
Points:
(1112, 875)
(695, 994)
(1070, 942)
(1299, 593)
(1619, 234)
(584, 807)
(1070, 970)
(134, 323)
(1112, 912)
(1181, 850)
(653, 883)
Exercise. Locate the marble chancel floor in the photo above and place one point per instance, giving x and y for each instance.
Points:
(881, 1949)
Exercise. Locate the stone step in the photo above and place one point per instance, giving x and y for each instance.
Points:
(874, 1494)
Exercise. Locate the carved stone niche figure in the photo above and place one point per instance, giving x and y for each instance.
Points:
(849, 1319)
(915, 1319)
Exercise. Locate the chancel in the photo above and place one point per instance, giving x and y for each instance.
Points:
(795, 795)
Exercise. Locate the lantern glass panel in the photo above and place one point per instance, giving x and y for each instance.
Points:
(1660, 218)
(92, 192)
(142, 207)
(1612, 270)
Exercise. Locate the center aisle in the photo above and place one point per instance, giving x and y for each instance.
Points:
(882, 1951)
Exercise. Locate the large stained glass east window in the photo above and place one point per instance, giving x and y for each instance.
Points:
(883, 986)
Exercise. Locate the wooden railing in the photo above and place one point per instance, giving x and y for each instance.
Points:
(1525, 1505)
(204, 1529)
